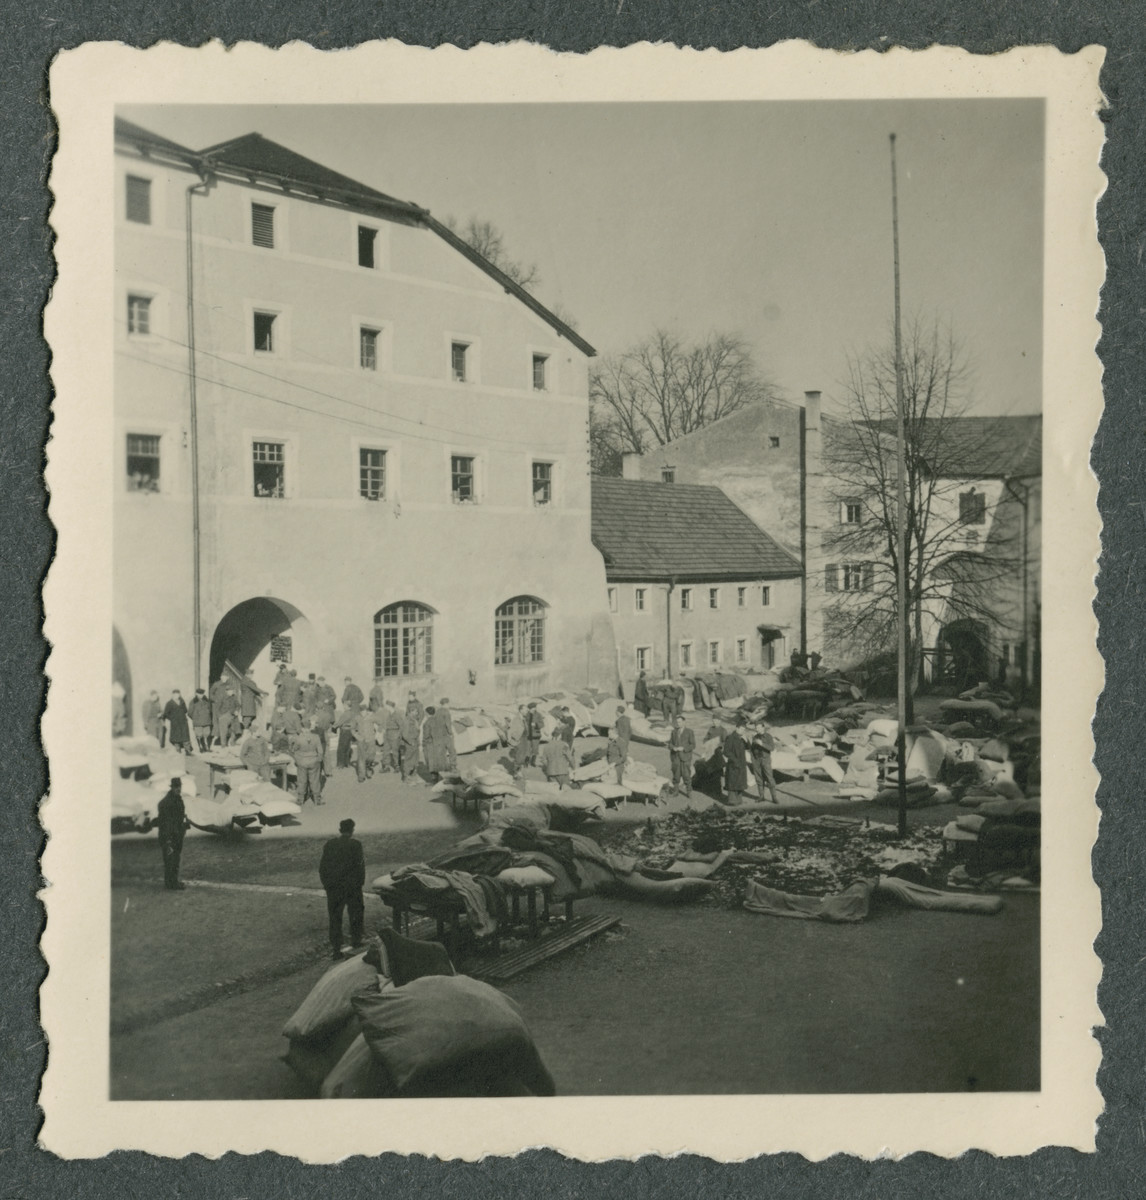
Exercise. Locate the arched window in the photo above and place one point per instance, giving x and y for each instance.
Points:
(519, 632)
(404, 639)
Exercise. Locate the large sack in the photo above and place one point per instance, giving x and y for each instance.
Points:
(409, 960)
(522, 816)
(607, 791)
(313, 1060)
(357, 1075)
(452, 1036)
(327, 1007)
(672, 891)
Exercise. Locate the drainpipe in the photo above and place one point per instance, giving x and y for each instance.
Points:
(196, 189)
(668, 627)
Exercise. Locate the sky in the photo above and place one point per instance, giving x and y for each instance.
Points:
(766, 219)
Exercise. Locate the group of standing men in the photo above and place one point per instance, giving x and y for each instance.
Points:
(669, 697)
(218, 718)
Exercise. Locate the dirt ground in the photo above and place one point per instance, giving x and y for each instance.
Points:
(688, 1000)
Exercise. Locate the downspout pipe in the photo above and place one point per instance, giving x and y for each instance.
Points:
(196, 189)
(668, 627)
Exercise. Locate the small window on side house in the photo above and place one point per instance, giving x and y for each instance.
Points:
(539, 364)
(685, 599)
(368, 349)
(269, 462)
(542, 483)
(142, 462)
(714, 597)
(263, 226)
(741, 597)
(639, 596)
(668, 475)
(686, 654)
(458, 361)
(774, 443)
(612, 599)
(366, 239)
(765, 596)
(972, 508)
(462, 479)
(138, 200)
(851, 512)
(372, 474)
(713, 653)
(139, 315)
(264, 330)
(644, 658)
(741, 650)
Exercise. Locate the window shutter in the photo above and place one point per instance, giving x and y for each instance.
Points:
(139, 200)
(868, 573)
(831, 578)
(366, 237)
(263, 225)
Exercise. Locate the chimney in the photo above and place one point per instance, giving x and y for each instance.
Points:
(630, 465)
(812, 488)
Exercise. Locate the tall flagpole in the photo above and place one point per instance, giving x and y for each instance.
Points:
(900, 529)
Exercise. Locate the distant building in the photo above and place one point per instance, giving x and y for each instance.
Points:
(693, 584)
(392, 459)
(775, 462)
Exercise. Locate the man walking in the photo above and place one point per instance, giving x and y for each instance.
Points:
(682, 746)
(557, 761)
(624, 729)
(761, 747)
(342, 871)
(307, 750)
(172, 821)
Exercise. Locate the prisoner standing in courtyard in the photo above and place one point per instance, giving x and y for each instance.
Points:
(624, 736)
(307, 750)
(761, 747)
(682, 746)
(171, 818)
(342, 871)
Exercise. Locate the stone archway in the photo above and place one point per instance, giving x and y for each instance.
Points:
(257, 634)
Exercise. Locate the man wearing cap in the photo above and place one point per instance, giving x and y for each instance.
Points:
(352, 694)
(227, 715)
(255, 753)
(171, 818)
(152, 708)
(250, 697)
(308, 695)
(377, 697)
(641, 695)
(307, 751)
(446, 724)
(624, 728)
(199, 710)
(761, 747)
(531, 741)
(409, 731)
(682, 746)
(326, 694)
(735, 766)
(391, 736)
(342, 871)
(414, 709)
(365, 730)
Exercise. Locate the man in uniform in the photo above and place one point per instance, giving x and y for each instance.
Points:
(568, 729)
(624, 729)
(307, 751)
(414, 708)
(227, 715)
(215, 695)
(308, 695)
(531, 738)
(446, 724)
(326, 694)
(255, 753)
(172, 822)
(409, 731)
(291, 689)
(199, 710)
(391, 736)
(250, 697)
(342, 871)
(682, 746)
(352, 694)
(641, 695)
(365, 727)
(557, 761)
(152, 709)
(761, 747)
(377, 698)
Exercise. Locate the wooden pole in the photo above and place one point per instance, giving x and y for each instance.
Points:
(900, 528)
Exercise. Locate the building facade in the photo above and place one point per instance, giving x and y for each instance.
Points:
(346, 441)
(694, 586)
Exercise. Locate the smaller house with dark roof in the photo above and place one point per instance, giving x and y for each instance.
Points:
(694, 584)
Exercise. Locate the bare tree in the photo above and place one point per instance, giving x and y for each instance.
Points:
(488, 241)
(663, 388)
(956, 554)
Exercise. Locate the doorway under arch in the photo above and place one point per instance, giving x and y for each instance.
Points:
(771, 646)
(257, 635)
(963, 657)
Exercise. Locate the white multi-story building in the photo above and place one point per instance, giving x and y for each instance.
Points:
(346, 440)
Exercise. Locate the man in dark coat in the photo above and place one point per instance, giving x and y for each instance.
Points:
(255, 753)
(352, 694)
(172, 822)
(446, 724)
(344, 723)
(365, 726)
(391, 736)
(409, 732)
(531, 738)
(414, 709)
(761, 747)
(226, 713)
(568, 730)
(308, 753)
(377, 696)
(682, 746)
(199, 711)
(624, 729)
(641, 695)
(342, 871)
(175, 714)
(250, 697)
(735, 766)
(325, 694)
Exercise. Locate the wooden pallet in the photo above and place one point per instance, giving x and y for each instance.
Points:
(513, 962)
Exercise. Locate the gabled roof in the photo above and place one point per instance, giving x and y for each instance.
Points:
(260, 160)
(682, 532)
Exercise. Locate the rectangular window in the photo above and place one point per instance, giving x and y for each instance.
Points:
(542, 483)
(686, 654)
(138, 200)
(539, 363)
(774, 442)
(714, 597)
(851, 512)
(138, 314)
(741, 650)
(765, 596)
(668, 475)
(263, 226)
(644, 658)
(855, 577)
(372, 474)
(713, 654)
(142, 462)
(639, 595)
(265, 332)
(269, 462)
(612, 599)
(741, 597)
(368, 349)
(686, 599)
(458, 361)
(366, 239)
(462, 479)
(972, 508)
